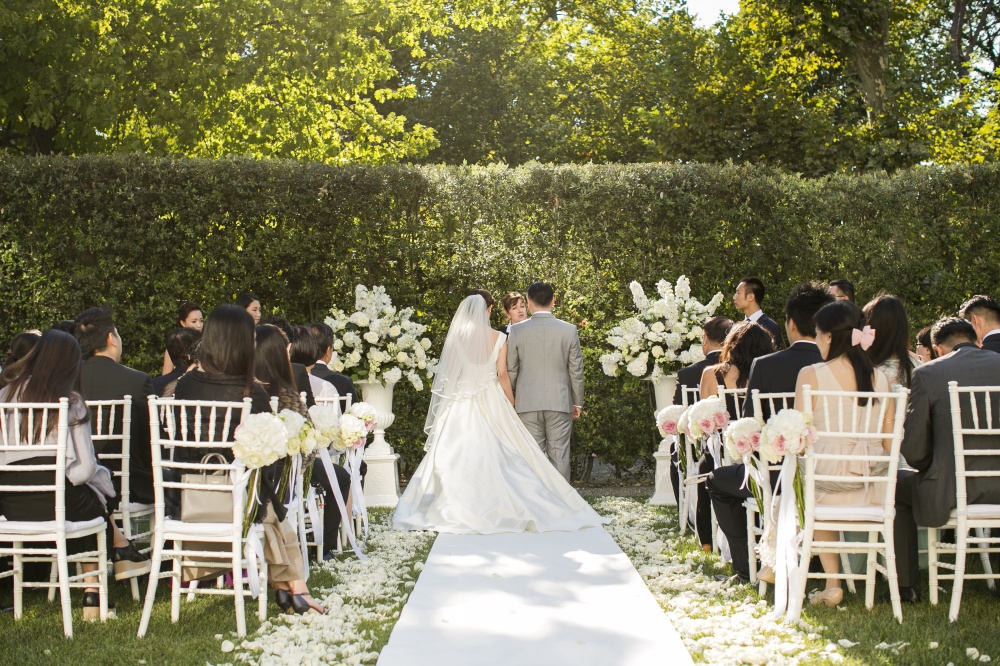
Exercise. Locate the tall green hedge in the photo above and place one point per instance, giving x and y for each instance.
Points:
(141, 234)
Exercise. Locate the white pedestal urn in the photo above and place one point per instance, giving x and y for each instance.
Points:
(664, 493)
(382, 479)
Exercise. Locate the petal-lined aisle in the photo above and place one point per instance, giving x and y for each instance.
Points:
(531, 598)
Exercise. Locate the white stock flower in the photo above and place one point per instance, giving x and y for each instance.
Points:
(683, 288)
(638, 296)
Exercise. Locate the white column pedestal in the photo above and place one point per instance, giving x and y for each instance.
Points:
(664, 494)
(382, 479)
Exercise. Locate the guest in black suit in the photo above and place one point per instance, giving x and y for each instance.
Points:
(748, 299)
(774, 373)
(983, 312)
(343, 383)
(182, 344)
(714, 333)
(104, 378)
(927, 496)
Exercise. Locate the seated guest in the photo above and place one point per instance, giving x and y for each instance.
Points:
(890, 350)
(774, 373)
(64, 325)
(103, 377)
(925, 348)
(714, 333)
(842, 290)
(745, 342)
(303, 351)
(227, 373)
(926, 496)
(298, 369)
(343, 383)
(251, 304)
(48, 373)
(188, 316)
(846, 367)
(182, 344)
(19, 348)
(748, 299)
(983, 312)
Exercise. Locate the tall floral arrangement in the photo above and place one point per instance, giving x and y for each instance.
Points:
(664, 336)
(378, 343)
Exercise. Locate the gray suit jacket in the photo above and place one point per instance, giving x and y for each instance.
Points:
(545, 365)
(927, 439)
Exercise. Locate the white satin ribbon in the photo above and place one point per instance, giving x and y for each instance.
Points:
(324, 455)
(715, 447)
(354, 459)
(253, 549)
(786, 565)
(313, 508)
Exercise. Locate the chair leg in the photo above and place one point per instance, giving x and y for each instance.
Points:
(154, 579)
(102, 575)
(53, 577)
(890, 570)
(67, 612)
(961, 551)
(932, 563)
(241, 620)
(751, 542)
(873, 547)
(175, 589)
(262, 599)
(18, 565)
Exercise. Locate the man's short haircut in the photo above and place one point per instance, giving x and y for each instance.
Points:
(950, 331)
(281, 323)
(324, 336)
(754, 286)
(845, 286)
(541, 293)
(804, 302)
(91, 329)
(983, 306)
(305, 346)
(64, 325)
(181, 345)
(717, 328)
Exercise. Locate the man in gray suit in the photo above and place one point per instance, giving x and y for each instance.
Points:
(545, 365)
(927, 496)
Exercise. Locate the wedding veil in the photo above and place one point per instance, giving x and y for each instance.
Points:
(464, 368)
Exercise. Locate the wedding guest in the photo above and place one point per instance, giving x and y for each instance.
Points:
(19, 348)
(343, 383)
(251, 304)
(983, 312)
(745, 342)
(189, 316)
(774, 373)
(227, 373)
(515, 307)
(298, 370)
(64, 325)
(925, 349)
(889, 350)
(713, 335)
(274, 372)
(748, 299)
(846, 367)
(103, 377)
(48, 373)
(842, 290)
(304, 350)
(182, 347)
(926, 496)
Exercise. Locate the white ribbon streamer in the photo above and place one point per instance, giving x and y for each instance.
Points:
(354, 459)
(346, 520)
(313, 508)
(253, 549)
(787, 566)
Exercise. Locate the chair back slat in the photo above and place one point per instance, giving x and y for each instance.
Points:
(343, 402)
(690, 395)
(738, 395)
(111, 422)
(977, 446)
(16, 447)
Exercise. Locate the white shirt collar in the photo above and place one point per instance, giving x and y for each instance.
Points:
(756, 315)
(995, 331)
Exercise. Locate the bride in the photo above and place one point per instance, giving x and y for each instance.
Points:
(483, 472)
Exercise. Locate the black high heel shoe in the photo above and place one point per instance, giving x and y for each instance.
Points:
(301, 606)
(284, 600)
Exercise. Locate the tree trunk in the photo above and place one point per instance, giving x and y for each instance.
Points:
(870, 55)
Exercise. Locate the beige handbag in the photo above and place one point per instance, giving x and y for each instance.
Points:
(207, 506)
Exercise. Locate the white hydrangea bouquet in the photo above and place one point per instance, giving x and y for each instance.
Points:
(378, 343)
(665, 335)
(259, 441)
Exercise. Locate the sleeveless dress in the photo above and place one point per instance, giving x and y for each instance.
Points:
(485, 474)
(825, 414)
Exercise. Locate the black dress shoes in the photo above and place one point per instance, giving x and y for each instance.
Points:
(737, 579)
(908, 595)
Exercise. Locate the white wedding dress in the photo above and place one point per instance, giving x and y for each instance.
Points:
(483, 473)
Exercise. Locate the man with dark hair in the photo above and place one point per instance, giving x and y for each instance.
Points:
(181, 343)
(748, 299)
(714, 333)
(983, 312)
(842, 290)
(927, 496)
(102, 377)
(774, 373)
(343, 383)
(64, 325)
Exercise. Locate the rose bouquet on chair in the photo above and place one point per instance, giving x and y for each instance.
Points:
(663, 336)
(668, 422)
(742, 442)
(303, 440)
(703, 422)
(261, 440)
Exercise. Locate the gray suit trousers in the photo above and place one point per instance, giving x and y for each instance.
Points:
(551, 431)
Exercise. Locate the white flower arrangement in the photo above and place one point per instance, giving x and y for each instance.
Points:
(787, 432)
(365, 412)
(353, 433)
(326, 421)
(743, 437)
(260, 440)
(664, 336)
(706, 417)
(668, 420)
(378, 343)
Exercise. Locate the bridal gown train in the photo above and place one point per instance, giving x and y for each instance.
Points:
(484, 473)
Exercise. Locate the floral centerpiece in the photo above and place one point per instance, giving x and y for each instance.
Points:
(378, 343)
(261, 440)
(664, 336)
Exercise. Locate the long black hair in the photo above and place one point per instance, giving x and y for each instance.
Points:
(227, 345)
(839, 319)
(273, 369)
(745, 342)
(886, 314)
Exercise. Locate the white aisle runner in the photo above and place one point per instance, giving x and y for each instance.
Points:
(523, 599)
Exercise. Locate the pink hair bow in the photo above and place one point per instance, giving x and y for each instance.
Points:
(865, 337)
